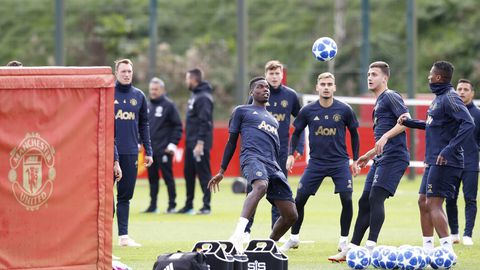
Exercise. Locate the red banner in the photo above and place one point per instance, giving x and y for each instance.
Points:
(56, 162)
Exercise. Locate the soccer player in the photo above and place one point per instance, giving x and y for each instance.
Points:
(447, 127)
(258, 158)
(131, 120)
(282, 104)
(469, 176)
(390, 159)
(327, 120)
(199, 135)
(165, 133)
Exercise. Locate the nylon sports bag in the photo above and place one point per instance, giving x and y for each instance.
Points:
(181, 261)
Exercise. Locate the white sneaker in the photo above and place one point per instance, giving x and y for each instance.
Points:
(455, 239)
(290, 244)
(282, 240)
(237, 241)
(339, 257)
(467, 241)
(342, 245)
(125, 241)
(246, 238)
(115, 258)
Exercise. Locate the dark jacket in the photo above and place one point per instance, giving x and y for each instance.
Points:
(131, 120)
(165, 123)
(199, 122)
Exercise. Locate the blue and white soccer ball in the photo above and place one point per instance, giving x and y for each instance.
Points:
(324, 49)
(410, 258)
(388, 258)
(442, 258)
(376, 256)
(358, 258)
(425, 257)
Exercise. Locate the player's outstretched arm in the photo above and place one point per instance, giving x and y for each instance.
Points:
(411, 123)
(213, 184)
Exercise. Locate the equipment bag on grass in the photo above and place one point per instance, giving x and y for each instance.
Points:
(181, 261)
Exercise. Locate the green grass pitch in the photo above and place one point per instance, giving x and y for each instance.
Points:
(162, 233)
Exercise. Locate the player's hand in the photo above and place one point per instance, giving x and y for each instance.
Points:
(355, 169)
(214, 183)
(117, 171)
(380, 144)
(148, 161)
(362, 161)
(441, 161)
(401, 119)
(290, 162)
(198, 151)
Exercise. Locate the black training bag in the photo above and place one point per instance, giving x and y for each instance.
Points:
(264, 255)
(217, 259)
(181, 261)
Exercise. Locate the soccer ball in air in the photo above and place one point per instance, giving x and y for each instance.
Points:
(442, 258)
(324, 49)
(358, 258)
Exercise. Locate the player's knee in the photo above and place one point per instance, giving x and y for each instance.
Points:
(291, 218)
(346, 198)
(260, 188)
(422, 203)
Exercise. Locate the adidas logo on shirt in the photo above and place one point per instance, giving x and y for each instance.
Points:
(316, 118)
(169, 267)
(255, 112)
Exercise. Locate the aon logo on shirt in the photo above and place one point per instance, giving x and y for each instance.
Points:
(279, 116)
(125, 115)
(321, 131)
(267, 127)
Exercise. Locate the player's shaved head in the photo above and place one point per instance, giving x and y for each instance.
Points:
(444, 69)
(253, 82)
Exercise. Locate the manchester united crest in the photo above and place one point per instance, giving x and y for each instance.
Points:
(32, 171)
(337, 117)
(133, 102)
(284, 103)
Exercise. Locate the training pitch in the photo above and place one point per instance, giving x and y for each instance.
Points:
(162, 233)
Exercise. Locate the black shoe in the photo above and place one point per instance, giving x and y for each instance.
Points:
(151, 209)
(204, 211)
(186, 210)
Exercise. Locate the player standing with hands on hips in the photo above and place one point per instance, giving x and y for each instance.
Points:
(258, 160)
(131, 120)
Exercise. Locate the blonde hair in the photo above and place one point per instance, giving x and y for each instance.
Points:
(122, 61)
(325, 75)
(272, 65)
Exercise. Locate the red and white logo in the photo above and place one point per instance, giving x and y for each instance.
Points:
(32, 171)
